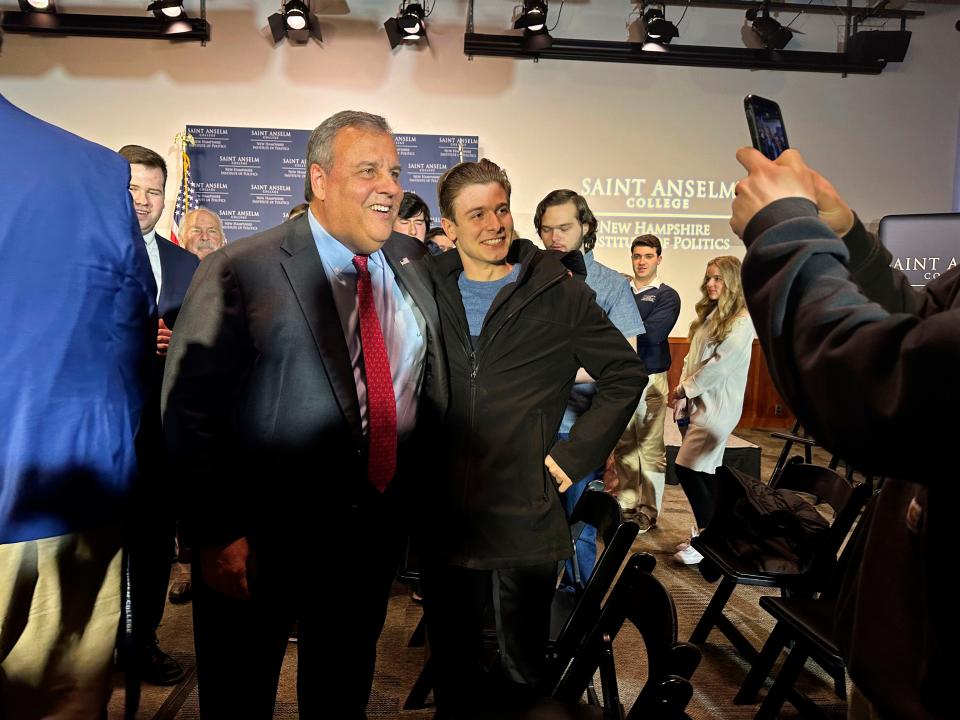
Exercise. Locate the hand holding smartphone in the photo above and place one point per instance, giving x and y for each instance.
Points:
(765, 121)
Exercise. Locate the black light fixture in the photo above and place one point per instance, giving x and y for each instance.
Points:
(167, 9)
(408, 26)
(536, 40)
(772, 34)
(295, 22)
(37, 6)
(657, 29)
(533, 17)
(533, 21)
(52, 23)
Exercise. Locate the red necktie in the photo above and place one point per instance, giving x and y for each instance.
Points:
(381, 401)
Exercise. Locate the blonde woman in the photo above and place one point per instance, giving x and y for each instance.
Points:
(711, 389)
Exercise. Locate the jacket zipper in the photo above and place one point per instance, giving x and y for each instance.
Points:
(475, 369)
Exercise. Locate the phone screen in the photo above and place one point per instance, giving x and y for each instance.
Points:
(766, 126)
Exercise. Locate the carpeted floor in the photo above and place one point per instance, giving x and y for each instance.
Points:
(715, 682)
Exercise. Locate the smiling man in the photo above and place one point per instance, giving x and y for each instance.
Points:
(303, 363)
(517, 326)
(150, 534)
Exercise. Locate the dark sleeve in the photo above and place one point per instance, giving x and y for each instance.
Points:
(873, 386)
(209, 357)
(619, 377)
(661, 319)
(869, 265)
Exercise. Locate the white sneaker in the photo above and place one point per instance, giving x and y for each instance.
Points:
(688, 556)
(694, 532)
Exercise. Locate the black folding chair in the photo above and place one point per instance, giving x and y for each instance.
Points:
(805, 625)
(643, 600)
(846, 500)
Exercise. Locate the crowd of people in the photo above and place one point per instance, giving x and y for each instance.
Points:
(288, 408)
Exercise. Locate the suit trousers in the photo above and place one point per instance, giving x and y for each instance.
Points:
(640, 456)
(334, 579)
(151, 545)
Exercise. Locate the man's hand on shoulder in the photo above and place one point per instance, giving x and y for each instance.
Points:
(559, 476)
(225, 569)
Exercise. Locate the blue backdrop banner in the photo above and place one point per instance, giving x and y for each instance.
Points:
(251, 177)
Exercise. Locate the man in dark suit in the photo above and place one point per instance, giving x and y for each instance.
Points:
(151, 532)
(303, 373)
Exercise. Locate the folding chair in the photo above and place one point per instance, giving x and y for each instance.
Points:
(846, 500)
(643, 600)
(806, 624)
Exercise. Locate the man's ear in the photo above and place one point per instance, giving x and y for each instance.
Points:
(318, 181)
(449, 228)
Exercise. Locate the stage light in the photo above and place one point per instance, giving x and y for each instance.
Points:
(533, 21)
(295, 22)
(536, 40)
(533, 17)
(37, 6)
(166, 9)
(410, 21)
(772, 34)
(295, 15)
(407, 26)
(656, 27)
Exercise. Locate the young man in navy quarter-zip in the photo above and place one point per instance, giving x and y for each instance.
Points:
(640, 456)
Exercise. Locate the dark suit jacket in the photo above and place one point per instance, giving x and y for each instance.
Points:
(176, 267)
(259, 402)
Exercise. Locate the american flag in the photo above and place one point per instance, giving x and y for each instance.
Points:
(186, 195)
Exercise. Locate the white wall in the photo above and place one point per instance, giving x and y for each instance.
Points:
(889, 142)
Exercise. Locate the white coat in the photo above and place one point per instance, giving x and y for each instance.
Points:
(714, 379)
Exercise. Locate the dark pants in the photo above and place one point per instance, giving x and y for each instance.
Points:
(702, 490)
(151, 547)
(456, 601)
(333, 577)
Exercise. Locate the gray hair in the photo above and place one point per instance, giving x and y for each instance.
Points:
(320, 145)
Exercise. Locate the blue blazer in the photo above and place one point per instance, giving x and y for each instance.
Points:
(77, 309)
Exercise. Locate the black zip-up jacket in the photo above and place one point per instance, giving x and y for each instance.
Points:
(493, 503)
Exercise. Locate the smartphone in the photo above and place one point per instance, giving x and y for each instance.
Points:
(766, 125)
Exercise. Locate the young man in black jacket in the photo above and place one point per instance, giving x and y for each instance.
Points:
(516, 328)
(865, 361)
